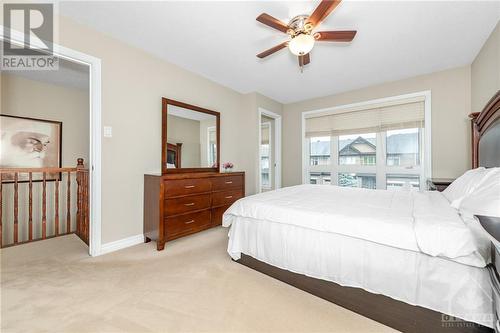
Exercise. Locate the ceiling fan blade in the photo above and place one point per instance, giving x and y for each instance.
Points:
(335, 36)
(304, 60)
(322, 11)
(272, 22)
(272, 50)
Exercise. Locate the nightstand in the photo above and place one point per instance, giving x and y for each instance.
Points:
(492, 227)
(439, 184)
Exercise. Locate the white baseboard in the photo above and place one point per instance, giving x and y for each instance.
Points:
(121, 244)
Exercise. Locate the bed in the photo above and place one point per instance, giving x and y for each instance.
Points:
(407, 259)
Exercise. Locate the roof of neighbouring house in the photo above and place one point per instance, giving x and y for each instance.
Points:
(396, 144)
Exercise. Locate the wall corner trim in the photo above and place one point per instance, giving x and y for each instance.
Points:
(121, 244)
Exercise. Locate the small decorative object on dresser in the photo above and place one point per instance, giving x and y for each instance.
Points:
(439, 184)
(228, 166)
(191, 194)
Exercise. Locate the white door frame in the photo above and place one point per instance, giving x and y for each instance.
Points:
(277, 150)
(94, 163)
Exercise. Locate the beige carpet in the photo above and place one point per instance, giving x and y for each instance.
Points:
(192, 286)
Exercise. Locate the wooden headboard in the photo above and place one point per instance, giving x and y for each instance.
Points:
(486, 134)
(174, 154)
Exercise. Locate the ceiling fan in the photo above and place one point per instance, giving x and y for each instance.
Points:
(300, 29)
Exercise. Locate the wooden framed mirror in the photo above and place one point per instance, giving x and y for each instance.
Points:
(190, 138)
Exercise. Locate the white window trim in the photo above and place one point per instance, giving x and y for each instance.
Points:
(426, 142)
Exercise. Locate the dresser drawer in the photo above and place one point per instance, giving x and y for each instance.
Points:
(227, 182)
(186, 186)
(187, 223)
(226, 197)
(186, 204)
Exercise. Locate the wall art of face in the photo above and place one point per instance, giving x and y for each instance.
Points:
(28, 143)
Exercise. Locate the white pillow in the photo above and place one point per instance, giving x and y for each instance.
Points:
(485, 200)
(464, 185)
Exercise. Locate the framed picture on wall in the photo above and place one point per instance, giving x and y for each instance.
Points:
(30, 143)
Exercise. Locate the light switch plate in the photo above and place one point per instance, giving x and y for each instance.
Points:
(108, 131)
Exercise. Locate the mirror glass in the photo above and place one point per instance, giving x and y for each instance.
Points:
(191, 138)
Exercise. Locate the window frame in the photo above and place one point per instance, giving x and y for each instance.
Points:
(381, 170)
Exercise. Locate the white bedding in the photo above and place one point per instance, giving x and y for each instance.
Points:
(417, 221)
(439, 284)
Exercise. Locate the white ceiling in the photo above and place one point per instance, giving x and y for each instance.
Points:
(219, 40)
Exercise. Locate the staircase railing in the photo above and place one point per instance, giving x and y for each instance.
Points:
(56, 216)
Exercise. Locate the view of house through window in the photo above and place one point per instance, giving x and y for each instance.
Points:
(388, 157)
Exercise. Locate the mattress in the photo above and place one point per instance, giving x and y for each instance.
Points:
(410, 220)
(436, 283)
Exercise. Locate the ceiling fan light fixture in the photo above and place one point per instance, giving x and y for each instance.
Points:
(301, 44)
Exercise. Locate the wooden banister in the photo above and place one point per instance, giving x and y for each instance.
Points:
(18, 175)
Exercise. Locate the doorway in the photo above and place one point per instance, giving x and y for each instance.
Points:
(92, 66)
(269, 151)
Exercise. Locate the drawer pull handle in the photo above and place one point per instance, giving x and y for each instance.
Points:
(229, 197)
(189, 222)
(189, 186)
(189, 204)
(229, 182)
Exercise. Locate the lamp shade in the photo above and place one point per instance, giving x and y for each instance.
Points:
(301, 44)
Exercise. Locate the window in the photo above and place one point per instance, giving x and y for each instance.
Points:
(403, 147)
(319, 148)
(320, 178)
(265, 156)
(403, 181)
(357, 149)
(371, 146)
(358, 180)
(264, 165)
(212, 145)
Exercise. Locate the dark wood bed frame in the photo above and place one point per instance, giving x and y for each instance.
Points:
(388, 311)
(177, 150)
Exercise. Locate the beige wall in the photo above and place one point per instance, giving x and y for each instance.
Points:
(133, 83)
(485, 71)
(35, 99)
(450, 126)
(187, 132)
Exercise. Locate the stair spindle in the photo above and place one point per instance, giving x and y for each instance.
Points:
(44, 206)
(16, 207)
(30, 207)
(56, 207)
(68, 204)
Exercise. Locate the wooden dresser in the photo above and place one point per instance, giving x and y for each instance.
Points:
(176, 205)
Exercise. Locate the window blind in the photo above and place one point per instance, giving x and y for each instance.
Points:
(370, 119)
